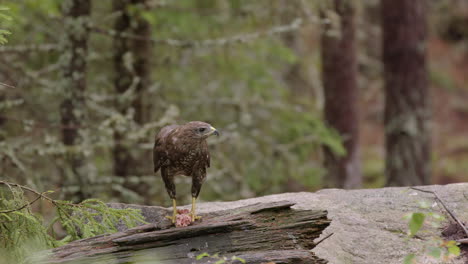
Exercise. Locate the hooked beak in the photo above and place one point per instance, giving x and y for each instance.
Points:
(214, 131)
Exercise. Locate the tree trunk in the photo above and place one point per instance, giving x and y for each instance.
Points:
(293, 74)
(257, 233)
(72, 109)
(142, 50)
(341, 96)
(407, 133)
(2, 119)
(131, 66)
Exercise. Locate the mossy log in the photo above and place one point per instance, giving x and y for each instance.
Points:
(259, 233)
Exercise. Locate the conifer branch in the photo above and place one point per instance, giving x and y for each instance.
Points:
(22, 207)
(40, 195)
(87, 219)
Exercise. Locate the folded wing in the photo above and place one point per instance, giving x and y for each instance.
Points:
(159, 149)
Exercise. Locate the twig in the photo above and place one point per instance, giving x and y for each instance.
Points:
(39, 124)
(7, 85)
(462, 241)
(448, 210)
(29, 48)
(22, 207)
(41, 195)
(27, 189)
(242, 38)
(321, 240)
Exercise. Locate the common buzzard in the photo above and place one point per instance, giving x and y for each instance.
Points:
(182, 150)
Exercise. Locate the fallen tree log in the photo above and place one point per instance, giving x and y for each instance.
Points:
(258, 233)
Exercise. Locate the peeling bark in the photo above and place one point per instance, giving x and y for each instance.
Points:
(407, 133)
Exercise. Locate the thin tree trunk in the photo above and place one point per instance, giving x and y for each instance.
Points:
(131, 64)
(407, 133)
(142, 51)
(341, 96)
(122, 82)
(293, 74)
(72, 109)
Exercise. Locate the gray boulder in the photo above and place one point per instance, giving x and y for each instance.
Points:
(368, 226)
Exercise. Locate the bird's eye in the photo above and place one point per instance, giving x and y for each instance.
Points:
(202, 129)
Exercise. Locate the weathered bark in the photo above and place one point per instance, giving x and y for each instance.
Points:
(257, 233)
(72, 108)
(131, 64)
(407, 133)
(341, 96)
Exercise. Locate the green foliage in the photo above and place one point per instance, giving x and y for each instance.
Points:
(435, 252)
(202, 255)
(93, 217)
(409, 259)
(4, 32)
(436, 248)
(23, 231)
(453, 248)
(416, 222)
(220, 259)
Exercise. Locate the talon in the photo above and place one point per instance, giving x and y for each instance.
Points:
(194, 216)
(172, 218)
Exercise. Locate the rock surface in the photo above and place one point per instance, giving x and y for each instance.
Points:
(367, 225)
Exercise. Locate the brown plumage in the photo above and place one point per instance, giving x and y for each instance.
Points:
(182, 150)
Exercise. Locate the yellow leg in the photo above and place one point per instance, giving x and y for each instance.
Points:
(174, 212)
(192, 213)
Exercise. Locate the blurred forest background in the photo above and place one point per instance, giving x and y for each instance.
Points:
(305, 93)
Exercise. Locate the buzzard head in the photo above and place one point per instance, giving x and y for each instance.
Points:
(201, 130)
